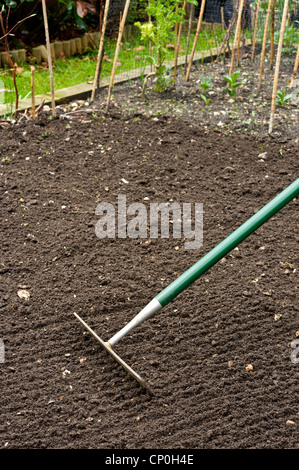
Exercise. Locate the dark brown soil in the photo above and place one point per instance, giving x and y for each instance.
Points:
(59, 388)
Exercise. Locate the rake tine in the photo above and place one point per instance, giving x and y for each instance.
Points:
(115, 356)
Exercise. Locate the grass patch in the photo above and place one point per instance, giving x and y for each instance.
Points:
(81, 69)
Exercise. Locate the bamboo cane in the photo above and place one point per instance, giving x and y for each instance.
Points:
(264, 44)
(277, 65)
(239, 39)
(272, 35)
(177, 45)
(120, 33)
(223, 32)
(188, 36)
(150, 42)
(175, 42)
(49, 56)
(202, 8)
(238, 26)
(32, 92)
(295, 68)
(101, 8)
(101, 48)
(244, 22)
(255, 28)
(222, 22)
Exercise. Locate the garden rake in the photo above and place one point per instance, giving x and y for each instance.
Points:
(194, 272)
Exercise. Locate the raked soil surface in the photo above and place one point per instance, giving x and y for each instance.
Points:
(218, 359)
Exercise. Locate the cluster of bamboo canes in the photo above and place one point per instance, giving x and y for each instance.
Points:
(235, 48)
(188, 58)
(271, 8)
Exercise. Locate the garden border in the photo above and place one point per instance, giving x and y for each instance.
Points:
(83, 90)
(69, 48)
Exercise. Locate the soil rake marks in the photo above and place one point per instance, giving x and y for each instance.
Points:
(115, 356)
(197, 270)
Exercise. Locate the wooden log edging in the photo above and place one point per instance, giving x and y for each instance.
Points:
(58, 48)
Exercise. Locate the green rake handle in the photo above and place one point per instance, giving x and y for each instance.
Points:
(228, 244)
(211, 258)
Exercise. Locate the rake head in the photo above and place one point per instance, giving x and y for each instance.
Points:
(106, 345)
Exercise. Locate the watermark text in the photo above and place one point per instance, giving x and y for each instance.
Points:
(159, 219)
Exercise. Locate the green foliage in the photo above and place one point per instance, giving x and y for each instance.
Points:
(263, 5)
(77, 10)
(282, 98)
(137, 11)
(9, 4)
(165, 14)
(71, 11)
(233, 83)
(205, 84)
(205, 99)
(165, 17)
(290, 38)
(163, 79)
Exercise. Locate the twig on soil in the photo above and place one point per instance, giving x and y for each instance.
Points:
(70, 113)
(39, 107)
(24, 115)
(146, 78)
(35, 112)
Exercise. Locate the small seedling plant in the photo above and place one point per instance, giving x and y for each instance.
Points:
(232, 83)
(165, 14)
(282, 98)
(205, 85)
